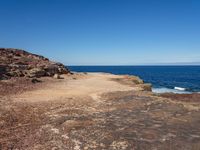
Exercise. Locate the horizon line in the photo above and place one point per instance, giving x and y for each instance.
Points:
(141, 65)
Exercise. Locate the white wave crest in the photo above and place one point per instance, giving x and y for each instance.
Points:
(168, 90)
(179, 88)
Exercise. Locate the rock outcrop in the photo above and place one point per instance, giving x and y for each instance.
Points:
(19, 63)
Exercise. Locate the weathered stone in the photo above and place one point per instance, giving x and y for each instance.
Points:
(136, 80)
(147, 87)
(35, 80)
(2, 71)
(56, 76)
(51, 70)
(36, 72)
(19, 63)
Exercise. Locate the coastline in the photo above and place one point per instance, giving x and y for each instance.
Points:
(176, 79)
(121, 111)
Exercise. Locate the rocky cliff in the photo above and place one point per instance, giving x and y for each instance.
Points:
(20, 63)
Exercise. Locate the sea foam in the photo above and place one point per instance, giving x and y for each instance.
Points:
(168, 90)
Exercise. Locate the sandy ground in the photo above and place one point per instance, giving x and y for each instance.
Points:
(91, 85)
(97, 111)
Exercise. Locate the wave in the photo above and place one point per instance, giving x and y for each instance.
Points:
(179, 88)
(176, 90)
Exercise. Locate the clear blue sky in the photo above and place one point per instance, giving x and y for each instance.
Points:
(104, 32)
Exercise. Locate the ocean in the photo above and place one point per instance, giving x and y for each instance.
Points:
(176, 79)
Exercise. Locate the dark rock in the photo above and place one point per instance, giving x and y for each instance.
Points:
(35, 80)
(2, 71)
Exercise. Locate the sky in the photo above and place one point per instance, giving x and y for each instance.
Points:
(104, 32)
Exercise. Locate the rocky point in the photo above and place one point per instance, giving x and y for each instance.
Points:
(20, 63)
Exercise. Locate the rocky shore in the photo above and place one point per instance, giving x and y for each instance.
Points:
(91, 111)
(19, 63)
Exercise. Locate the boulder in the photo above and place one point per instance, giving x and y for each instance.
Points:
(51, 70)
(36, 72)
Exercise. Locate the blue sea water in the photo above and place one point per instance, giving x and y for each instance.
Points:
(177, 79)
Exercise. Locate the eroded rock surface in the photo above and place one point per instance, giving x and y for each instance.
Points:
(97, 112)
